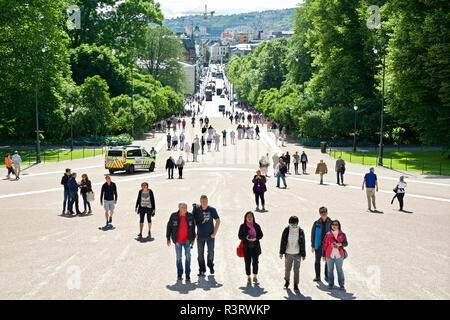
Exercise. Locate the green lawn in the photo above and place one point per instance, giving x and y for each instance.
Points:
(51, 155)
(433, 162)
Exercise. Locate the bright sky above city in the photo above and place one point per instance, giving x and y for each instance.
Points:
(175, 8)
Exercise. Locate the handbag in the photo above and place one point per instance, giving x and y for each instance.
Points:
(90, 196)
(240, 250)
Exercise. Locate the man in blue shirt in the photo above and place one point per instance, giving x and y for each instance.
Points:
(206, 233)
(371, 183)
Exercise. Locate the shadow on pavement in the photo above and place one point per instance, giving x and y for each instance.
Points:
(336, 293)
(406, 211)
(105, 228)
(377, 211)
(208, 284)
(144, 240)
(296, 295)
(255, 291)
(75, 215)
(181, 287)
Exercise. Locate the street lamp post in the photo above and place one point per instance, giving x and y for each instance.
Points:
(380, 147)
(355, 107)
(71, 127)
(36, 90)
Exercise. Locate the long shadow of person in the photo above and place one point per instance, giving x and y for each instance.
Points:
(182, 288)
(296, 296)
(336, 293)
(255, 291)
(208, 285)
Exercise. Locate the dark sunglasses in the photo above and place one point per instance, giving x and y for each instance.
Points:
(323, 212)
(293, 224)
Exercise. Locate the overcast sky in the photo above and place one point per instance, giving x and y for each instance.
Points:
(175, 8)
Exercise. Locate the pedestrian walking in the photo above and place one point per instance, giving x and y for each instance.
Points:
(217, 142)
(224, 137)
(180, 166)
(296, 157)
(201, 121)
(321, 169)
(203, 142)
(181, 230)
(175, 142)
(145, 205)
(304, 161)
(65, 183)
(259, 187)
(8, 164)
(280, 172)
(16, 160)
(250, 234)
(288, 162)
(340, 169)
(193, 122)
(319, 230)
(208, 222)
(371, 183)
(264, 164)
(169, 140)
(400, 192)
(334, 253)
(73, 193)
(85, 189)
(232, 136)
(292, 247)
(276, 160)
(108, 199)
(195, 148)
(257, 132)
(183, 123)
(187, 150)
(170, 164)
(182, 141)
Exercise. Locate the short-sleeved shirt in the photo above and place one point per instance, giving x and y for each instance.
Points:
(206, 228)
(370, 179)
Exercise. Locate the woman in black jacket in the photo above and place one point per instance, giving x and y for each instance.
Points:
(85, 187)
(259, 187)
(145, 204)
(250, 233)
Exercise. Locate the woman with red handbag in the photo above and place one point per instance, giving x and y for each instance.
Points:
(250, 233)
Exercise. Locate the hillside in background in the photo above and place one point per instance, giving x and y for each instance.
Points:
(270, 19)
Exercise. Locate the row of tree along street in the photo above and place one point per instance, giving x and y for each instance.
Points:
(334, 62)
(117, 72)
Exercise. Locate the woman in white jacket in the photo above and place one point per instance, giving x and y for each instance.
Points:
(399, 192)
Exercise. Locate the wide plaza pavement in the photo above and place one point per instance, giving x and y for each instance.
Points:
(392, 254)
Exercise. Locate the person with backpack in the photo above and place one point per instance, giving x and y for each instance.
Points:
(304, 161)
(208, 222)
(334, 253)
(319, 230)
(292, 247)
(399, 192)
(250, 234)
(145, 205)
(280, 172)
(340, 169)
(181, 230)
(259, 187)
(85, 188)
(64, 182)
(73, 190)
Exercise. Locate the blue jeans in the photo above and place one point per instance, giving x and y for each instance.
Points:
(73, 198)
(342, 176)
(321, 178)
(187, 251)
(66, 199)
(86, 203)
(210, 256)
(282, 178)
(330, 264)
